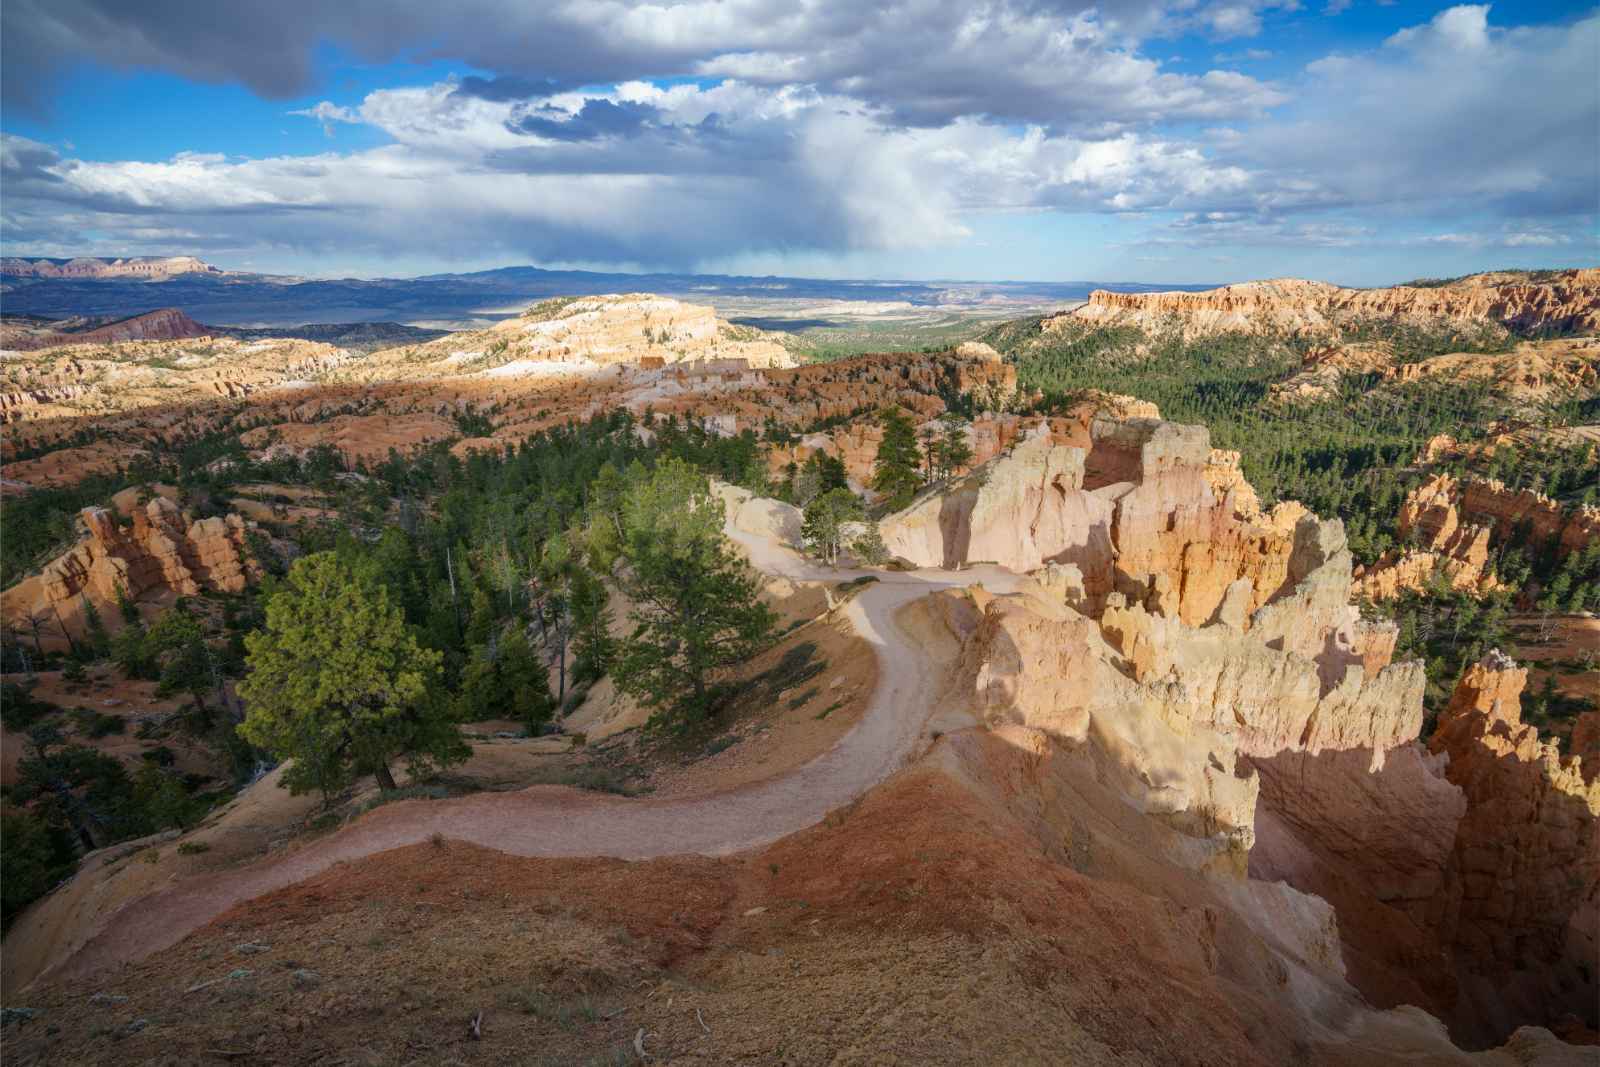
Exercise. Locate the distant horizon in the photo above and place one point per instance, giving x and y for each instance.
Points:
(863, 280)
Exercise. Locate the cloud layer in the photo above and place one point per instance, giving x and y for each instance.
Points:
(820, 129)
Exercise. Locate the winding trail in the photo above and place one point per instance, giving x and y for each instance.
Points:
(558, 821)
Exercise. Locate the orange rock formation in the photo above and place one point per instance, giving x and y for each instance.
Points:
(161, 548)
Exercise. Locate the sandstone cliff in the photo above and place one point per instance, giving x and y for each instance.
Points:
(1206, 662)
(1133, 507)
(1525, 881)
(1570, 303)
(161, 548)
(1453, 522)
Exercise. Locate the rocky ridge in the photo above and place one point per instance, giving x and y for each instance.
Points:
(164, 324)
(1294, 307)
(1532, 373)
(632, 328)
(152, 267)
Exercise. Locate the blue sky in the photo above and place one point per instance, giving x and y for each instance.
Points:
(1135, 140)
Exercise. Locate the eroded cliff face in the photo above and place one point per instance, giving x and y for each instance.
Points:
(1205, 666)
(162, 548)
(90, 267)
(1139, 506)
(1295, 307)
(1455, 521)
(989, 433)
(1520, 904)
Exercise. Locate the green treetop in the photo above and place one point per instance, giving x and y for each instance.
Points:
(698, 607)
(894, 473)
(340, 685)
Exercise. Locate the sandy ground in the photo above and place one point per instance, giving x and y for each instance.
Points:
(559, 821)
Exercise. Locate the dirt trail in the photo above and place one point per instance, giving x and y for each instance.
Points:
(559, 821)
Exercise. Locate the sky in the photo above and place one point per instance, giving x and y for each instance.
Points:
(1183, 141)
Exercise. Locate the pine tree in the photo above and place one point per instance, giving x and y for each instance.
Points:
(338, 683)
(953, 450)
(698, 604)
(894, 472)
(96, 638)
(869, 548)
(823, 525)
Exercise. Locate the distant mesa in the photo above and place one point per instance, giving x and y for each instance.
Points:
(152, 267)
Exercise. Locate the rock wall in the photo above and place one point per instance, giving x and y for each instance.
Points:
(1524, 890)
(1466, 873)
(1571, 302)
(1138, 510)
(163, 548)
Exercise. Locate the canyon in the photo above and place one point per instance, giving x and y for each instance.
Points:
(1138, 771)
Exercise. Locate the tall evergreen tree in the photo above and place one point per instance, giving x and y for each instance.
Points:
(698, 607)
(894, 472)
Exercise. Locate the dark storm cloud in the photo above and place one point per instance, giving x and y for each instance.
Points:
(596, 119)
(510, 87)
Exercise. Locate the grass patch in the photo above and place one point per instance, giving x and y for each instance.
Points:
(830, 709)
(193, 848)
(567, 1014)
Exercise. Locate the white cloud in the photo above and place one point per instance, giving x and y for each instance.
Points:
(328, 113)
(680, 175)
(1450, 117)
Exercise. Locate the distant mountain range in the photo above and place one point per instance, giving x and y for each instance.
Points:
(91, 287)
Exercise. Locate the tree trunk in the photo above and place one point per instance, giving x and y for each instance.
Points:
(385, 779)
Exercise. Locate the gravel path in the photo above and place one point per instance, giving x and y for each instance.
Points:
(559, 821)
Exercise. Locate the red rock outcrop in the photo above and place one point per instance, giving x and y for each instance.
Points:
(1135, 511)
(1453, 522)
(1445, 545)
(161, 548)
(1505, 510)
(166, 324)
